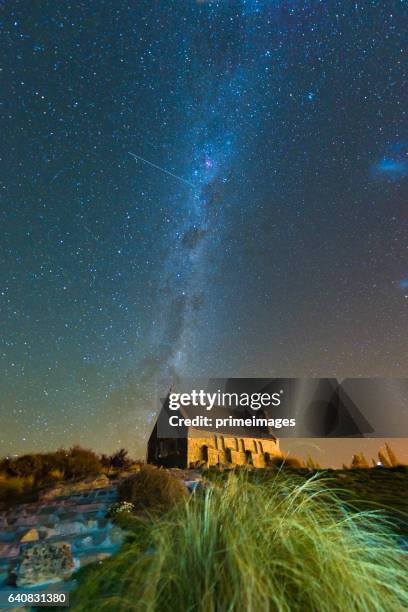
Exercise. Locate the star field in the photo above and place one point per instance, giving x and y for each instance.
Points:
(195, 188)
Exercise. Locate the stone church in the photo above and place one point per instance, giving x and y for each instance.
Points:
(195, 446)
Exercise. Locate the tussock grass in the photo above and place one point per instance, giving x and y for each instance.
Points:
(284, 545)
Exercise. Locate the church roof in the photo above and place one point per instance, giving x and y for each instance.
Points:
(219, 412)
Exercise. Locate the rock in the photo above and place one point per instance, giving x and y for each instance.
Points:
(70, 528)
(30, 536)
(100, 537)
(99, 557)
(116, 535)
(50, 533)
(193, 485)
(72, 488)
(26, 521)
(11, 577)
(44, 563)
(94, 508)
(91, 524)
(7, 536)
(86, 542)
(9, 550)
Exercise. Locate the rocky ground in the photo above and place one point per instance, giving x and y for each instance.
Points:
(43, 543)
(67, 528)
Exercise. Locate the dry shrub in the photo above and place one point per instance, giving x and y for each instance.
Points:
(13, 489)
(286, 461)
(81, 462)
(45, 468)
(56, 475)
(152, 489)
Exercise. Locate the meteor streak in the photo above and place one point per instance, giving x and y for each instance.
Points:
(179, 178)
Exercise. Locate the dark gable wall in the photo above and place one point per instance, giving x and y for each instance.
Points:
(167, 452)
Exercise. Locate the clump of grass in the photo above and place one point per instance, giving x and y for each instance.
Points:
(275, 545)
(152, 489)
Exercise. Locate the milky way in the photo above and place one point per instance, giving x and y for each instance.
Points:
(264, 233)
(219, 112)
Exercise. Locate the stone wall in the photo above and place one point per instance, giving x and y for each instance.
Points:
(216, 449)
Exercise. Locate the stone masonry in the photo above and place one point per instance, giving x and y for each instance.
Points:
(214, 449)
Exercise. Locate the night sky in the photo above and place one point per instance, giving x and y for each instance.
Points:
(268, 238)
